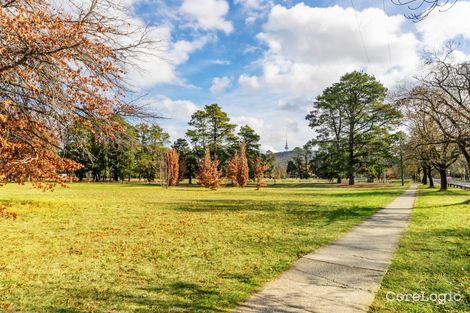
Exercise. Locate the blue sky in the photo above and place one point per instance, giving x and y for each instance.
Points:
(265, 61)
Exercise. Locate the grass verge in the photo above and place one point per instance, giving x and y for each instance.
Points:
(433, 256)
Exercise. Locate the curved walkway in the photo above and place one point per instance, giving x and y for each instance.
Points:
(343, 276)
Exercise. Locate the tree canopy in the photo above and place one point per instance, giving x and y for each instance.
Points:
(353, 124)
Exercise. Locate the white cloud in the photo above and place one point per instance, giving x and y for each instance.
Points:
(220, 62)
(274, 129)
(159, 65)
(265, 148)
(311, 47)
(220, 84)
(443, 25)
(292, 104)
(208, 14)
(254, 9)
(153, 65)
(178, 110)
(248, 82)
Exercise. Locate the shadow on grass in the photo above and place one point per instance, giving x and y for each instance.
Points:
(178, 296)
(466, 202)
(303, 185)
(296, 210)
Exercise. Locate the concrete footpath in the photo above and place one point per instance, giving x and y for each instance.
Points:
(343, 276)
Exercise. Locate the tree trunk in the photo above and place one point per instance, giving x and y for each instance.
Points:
(465, 153)
(351, 166)
(190, 174)
(431, 181)
(443, 174)
(338, 180)
(351, 179)
(424, 181)
(351, 153)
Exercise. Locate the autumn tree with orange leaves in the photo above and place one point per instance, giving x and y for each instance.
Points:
(238, 171)
(232, 169)
(260, 170)
(172, 167)
(209, 175)
(59, 68)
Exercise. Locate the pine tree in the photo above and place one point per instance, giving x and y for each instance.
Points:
(209, 175)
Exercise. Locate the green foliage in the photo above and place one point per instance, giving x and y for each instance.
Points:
(298, 166)
(150, 151)
(188, 158)
(353, 126)
(132, 151)
(251, 139)
(211, 127)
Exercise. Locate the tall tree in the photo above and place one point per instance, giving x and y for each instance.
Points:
(251, 139)
(187, 157)
(354, 111)
(443, 94)
(427, 137)
(211, 127)
(57, 69)
(150, 152)
(328, 119)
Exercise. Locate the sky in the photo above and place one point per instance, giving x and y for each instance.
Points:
(264, 62)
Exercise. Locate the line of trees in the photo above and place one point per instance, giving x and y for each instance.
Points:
(141, 151)
(135, 151)
(437, 108)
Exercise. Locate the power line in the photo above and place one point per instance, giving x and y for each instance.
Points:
(360, 33)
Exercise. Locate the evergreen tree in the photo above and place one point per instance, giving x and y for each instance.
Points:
(251, 140)
(211, 127)
(349, 118)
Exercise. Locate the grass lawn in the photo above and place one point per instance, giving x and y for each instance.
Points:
(434, 254)
(140, 248)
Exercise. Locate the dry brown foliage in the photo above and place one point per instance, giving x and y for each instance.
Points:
(209, 175)
(260, 170)
(237, 170)
(56, 69)
(232, 169)
(7, 215)
(172, 167)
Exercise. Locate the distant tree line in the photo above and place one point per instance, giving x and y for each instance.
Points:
(212, 150)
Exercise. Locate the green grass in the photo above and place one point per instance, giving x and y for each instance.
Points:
(434, 255)
(140, 248)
